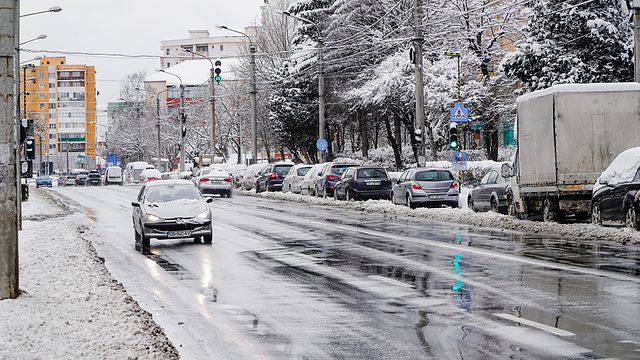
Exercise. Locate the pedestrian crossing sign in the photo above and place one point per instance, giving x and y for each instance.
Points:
(459, 112)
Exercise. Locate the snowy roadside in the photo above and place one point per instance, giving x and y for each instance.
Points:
(465, 216)
(70, 307)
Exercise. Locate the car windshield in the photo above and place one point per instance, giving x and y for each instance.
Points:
(282, 169)
(340, 169)
(434, 175)
(372, 174)
(166, 193)
(303, 171)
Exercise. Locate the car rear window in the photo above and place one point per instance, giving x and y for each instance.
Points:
(372, 174)
(340, 169)
(303, 171)
(282, 169)
(434, 175)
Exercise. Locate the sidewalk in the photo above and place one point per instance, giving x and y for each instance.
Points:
(70, 306)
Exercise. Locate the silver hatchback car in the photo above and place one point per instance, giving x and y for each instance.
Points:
(426, 187)
(215, 182)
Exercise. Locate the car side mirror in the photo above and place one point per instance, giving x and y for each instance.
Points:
(135, 204)
(209, 200)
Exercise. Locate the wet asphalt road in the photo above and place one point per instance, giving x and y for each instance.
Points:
(291, 281)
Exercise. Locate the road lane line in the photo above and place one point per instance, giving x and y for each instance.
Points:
(391, 281)
(534, 324)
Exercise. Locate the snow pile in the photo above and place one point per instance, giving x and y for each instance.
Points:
(622, 169)
(463, 215)
(70, 307)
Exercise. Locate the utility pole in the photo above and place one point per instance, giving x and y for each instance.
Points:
(68, 146)
(182, 128)
(321, 105)
(40, 172)
(636, 38)
(213, 114)
(159, 162)
(9, 190)
(254, 106)
(418, 42)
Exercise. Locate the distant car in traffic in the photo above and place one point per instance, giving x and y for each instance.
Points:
(361, 183)
(170, 176)
(113, 175)
(328, 176)
(293, 180)
(270, 178)
(250, 176)
(93, 179)
(69, 180)
(148, 175)
(216, 182)
(426, 187)
(81, 179)
(491, 194)
(44, 180)
(616, 195)
(171, 209)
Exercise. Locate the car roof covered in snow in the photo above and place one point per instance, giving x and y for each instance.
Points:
(169, 182)
(579, 88)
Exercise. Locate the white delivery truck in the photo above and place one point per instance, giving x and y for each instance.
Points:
(567, 135)
(134, 169)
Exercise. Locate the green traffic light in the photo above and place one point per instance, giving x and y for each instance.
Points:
(454, 144)
(218, 78)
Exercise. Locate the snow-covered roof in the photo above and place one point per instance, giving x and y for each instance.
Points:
(573, 88)
(195, 72)
(622, 169)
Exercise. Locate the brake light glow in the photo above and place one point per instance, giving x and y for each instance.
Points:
(273, 176)
(454, 185)
(332, 176)
(228, 180)
(416, 186)
(204, 179)
(152, 179)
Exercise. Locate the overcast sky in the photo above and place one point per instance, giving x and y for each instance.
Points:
(125, 26)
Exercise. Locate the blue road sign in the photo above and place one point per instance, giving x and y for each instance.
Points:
(459, 160)
(322, 144)
(459, 112)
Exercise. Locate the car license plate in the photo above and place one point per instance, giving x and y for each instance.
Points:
(179, 234)
(436, 197)
(373, 183)
(217, 181)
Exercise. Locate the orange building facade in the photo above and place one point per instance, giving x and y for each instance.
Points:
(61, 99)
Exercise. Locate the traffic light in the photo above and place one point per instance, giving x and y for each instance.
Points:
(419, 136)
(30, 148)
(453, 137)
(26, 130)
(217, 71)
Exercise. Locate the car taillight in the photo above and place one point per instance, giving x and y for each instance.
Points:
(273, 176)
(228, 180)
(454, 185)
(152, 179)
(204, 179)
(416, 186)
(332, 176)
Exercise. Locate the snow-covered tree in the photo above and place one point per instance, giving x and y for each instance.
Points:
(574, 43)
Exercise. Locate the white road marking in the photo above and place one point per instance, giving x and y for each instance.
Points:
(391, 281)
(536, 325)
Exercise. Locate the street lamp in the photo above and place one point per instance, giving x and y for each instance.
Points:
(34, 59)
(321, 103)
(40, 37)
(53, 9)
(213, 102)
(159, 149)
(253, 93)
(182, 119)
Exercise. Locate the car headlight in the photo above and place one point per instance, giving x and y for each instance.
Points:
(153, 218)
(203, 215)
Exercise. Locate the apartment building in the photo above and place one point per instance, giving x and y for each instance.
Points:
(61, 99)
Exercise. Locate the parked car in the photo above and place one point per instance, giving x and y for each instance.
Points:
(216, 182)
(492, 193)
(270, 178)
(170, 209)
(113, 175)
(148, 175)
(365, 182)
(44, 180)
(251, 175)
(70, 180)
(170, 176)
(93, 179)
(185, 175)
(308, 183)
(81, 179)
(293, 180)
(328, 177)
(426, 187)
(616, 195)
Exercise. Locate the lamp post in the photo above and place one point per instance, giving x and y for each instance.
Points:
(159, 138)
(183, 119)
(321, 94)
(53, 9)
(253, 93)
(40, 37)
(213, 102)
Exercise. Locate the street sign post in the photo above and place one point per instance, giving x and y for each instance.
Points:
(459, 160)
(459, 113)
(322, 144)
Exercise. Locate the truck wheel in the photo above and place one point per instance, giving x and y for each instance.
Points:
(596, 217)
(632, 218)
(549, 211)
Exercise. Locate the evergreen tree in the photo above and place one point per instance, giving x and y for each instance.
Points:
(574, 44)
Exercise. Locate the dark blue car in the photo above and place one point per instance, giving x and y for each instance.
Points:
(44, 180)
(329, 176)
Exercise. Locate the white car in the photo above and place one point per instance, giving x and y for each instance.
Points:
(293, 180)
(308, 184)
(216, 182)
(113, 175)
(148, 175)
(251, 175)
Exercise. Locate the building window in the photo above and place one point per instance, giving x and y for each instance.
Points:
(202, 48)
(41, 95)
(41, 75)
(221, 47)
(168, 52)
(41, 85)
(41, 106)
(168, 64)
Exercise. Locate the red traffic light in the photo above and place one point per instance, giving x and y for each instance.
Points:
(218, 63)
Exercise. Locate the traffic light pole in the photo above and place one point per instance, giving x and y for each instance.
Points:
(419, 76)
(182, 128)
(159, 147)
(636, 38)
(254, 108)
(321, 104)
(9, 190)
